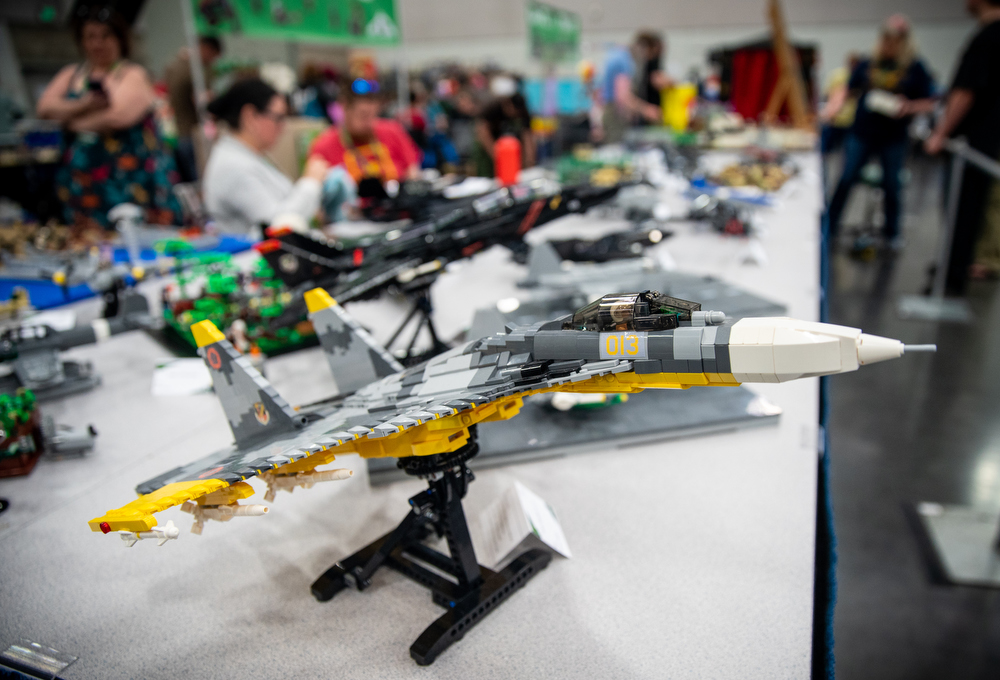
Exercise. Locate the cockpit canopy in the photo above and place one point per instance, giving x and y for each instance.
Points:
(646, 311)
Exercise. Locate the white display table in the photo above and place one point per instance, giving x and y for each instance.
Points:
(691, 558)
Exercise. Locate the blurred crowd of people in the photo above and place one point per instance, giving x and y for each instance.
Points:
(449, 121)
(114, 114)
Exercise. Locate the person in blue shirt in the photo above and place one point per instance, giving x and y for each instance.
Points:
(890, 88)
(622, 106)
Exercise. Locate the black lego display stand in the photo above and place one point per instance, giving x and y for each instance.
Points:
(473, 591)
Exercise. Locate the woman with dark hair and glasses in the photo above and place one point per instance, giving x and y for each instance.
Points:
(242, 189)
(114, 154)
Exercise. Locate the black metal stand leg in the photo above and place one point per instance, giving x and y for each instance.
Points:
(408, 354)
(456, 533)
(422, 310)
(361, 565)
(467, 590)
(402, 326)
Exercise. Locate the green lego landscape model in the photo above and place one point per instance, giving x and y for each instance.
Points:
(211, 287)
(20, 439)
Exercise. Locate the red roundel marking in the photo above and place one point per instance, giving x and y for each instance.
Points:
(105, 527)
(214, 360)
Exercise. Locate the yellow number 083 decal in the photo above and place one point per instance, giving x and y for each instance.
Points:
(624, 345)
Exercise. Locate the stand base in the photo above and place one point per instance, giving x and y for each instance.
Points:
(923, 308)
(964, 542)
(465, 588)
(464, 611)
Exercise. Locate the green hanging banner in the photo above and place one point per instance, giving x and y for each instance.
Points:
(553, 33)
(347, 22)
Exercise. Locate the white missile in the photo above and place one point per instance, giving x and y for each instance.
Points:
(303, 479)
(161, 534)
(224, 513)
(220, 513)
(769, 350)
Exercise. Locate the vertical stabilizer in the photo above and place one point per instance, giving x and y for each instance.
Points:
(355, 358)
(542, 261)
(255, 410)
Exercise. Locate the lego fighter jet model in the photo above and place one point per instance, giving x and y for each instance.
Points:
(33, 351)
(426, 416)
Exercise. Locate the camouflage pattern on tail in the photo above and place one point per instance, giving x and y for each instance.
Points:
(355, 358)
(255, 410)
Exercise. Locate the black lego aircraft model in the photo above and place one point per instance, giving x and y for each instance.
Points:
(415, 199)
(355, 268)
(411, 258)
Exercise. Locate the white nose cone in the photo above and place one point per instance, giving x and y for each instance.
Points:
(874, 348)
(780, 349)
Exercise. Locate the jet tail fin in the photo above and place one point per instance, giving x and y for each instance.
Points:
(354, 357)
(254, 408)
(543, 260)
(486, 322)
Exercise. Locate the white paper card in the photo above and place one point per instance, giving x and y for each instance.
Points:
(180, 377)
(542, 519)
(517, 516)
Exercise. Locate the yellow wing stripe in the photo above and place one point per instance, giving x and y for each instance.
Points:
(449, 433)
(138, 515)
(635, 382)
(442, 435)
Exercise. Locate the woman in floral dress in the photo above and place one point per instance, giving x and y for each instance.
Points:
(105, 104)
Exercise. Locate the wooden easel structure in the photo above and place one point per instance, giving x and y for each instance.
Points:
(789, 87)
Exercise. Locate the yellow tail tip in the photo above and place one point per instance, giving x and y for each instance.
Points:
(318, 299)
(205, 333)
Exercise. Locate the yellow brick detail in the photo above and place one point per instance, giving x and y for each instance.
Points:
(230, 494)
(138, 515)
(205, 333)
(318, 299)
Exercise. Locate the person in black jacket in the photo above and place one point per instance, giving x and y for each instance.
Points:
(890, 88)
(973, 110)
